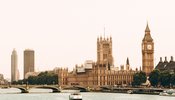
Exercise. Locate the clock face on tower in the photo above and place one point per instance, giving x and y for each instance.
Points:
(149, 47)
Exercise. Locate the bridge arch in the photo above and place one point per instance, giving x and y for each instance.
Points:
(82, 89)
(105, 87)
(23, 90)
(54, 89)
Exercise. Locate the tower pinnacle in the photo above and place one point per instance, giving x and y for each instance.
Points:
(104, 31)
(147, 28)
(147, 36)
(127, 61)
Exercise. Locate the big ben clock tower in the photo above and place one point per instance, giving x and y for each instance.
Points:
(147, 52)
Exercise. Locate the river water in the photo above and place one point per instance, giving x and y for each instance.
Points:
(42, 94)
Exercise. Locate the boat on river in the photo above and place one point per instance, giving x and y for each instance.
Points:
(70, 91)
(75, 96)
(170, 92)
(130, 91)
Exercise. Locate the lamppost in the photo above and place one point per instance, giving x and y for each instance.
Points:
(27, 87)
(27, 83)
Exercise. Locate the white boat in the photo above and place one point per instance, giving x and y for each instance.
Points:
(130, 91)
(169, 92)
(70, 91)
(75, 96)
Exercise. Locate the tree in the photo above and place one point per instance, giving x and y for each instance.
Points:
(32, 80)
(139, 78)
(172, 80)
(136, 80)
(143, 77)
(154, 77)
(41, 79)
(165, 78)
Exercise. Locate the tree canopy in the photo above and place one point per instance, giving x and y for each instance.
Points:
(139, 78)
(165, 78)
(172, 80)
(41, 79)
(154, 77)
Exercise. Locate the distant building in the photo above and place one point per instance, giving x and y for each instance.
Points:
(104, 52)
(165, 65)
(83, 68)
(100, 73)
(88, 64)
(127, 65)
(29, 61)
(103, 72)
(122, 67)
(62, 76)
(14, 66)
(147, 52)
(2, 80)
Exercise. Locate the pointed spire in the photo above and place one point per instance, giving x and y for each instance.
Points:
(100, 38)
(127, 61)
(97, 39)
(172, 58)
(147, 36)
(104, 31)
(166, 59)
(161, 59)
(147, 28)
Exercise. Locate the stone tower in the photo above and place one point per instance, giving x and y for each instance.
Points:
(127, 65)
(147, 52)
(104, 51)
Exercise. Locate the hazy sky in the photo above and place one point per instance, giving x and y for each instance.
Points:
(64, 32)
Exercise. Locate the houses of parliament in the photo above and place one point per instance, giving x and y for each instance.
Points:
(102, 72)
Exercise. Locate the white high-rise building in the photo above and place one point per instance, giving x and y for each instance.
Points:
(14, 66)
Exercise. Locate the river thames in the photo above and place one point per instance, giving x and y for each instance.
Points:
(42, 94)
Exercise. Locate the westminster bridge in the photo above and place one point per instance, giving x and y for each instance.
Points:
(56, 89)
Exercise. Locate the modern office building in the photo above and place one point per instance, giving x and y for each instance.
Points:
(14, 66)
(29, 61)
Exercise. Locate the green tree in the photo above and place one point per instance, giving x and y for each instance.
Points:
(41, 79)
(139, 78)
(172, 80)
(44, 78)
(136, 80)
(165, 78)
(143, 77)
(154, 77)
(32, 80)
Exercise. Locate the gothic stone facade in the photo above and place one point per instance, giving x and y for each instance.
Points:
(147, 52)
(102, 72)
(97, 76)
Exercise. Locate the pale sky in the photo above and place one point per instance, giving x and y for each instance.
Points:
(64, 32)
